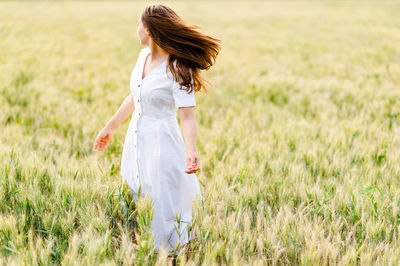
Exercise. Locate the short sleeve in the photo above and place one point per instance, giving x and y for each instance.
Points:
(181, 97)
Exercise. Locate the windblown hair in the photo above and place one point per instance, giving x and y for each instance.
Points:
(189, 49)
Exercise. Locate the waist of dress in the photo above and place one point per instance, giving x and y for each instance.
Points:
(160, 119)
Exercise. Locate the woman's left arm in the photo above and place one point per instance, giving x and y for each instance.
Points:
(189, 132)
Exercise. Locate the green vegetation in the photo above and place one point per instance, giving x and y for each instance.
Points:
(298, 140)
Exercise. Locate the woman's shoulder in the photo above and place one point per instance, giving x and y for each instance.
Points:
(144, 50)
(171, 76)
(142, 53)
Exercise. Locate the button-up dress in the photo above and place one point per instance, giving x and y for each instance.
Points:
(154, 153)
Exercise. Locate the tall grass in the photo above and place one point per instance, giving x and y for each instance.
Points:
(298, 140)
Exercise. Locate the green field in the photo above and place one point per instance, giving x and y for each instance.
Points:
(298, 139)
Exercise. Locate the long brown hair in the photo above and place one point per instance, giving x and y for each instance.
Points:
(188, 48)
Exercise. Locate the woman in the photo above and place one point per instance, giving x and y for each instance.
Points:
(157, 158)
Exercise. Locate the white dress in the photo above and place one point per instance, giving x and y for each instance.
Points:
(154, 153)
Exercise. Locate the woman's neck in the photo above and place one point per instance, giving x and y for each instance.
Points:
(157, 53)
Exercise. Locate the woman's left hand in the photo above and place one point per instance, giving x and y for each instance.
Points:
(192, 163)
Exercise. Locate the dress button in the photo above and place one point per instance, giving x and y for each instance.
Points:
(135, 131)
(138, 85)
(138, 100)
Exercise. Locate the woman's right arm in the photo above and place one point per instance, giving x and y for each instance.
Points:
(125, 110)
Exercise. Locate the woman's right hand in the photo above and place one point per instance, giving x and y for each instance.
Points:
(102, 139)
